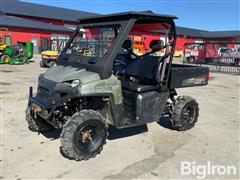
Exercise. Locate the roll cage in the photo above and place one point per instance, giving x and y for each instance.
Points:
(104, 65)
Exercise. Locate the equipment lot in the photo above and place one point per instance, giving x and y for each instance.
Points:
(156, 153)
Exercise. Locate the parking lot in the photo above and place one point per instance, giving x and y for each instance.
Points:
(154, 153)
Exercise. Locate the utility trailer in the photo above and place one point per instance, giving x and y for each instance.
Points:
(85, 93)
(221, 53)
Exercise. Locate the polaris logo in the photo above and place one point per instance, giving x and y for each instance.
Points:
(103, 89)
(194, 81)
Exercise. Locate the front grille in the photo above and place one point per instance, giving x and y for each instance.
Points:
(43, 92)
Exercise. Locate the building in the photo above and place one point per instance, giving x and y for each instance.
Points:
(190, 35)
(49, 27)
(39, 24)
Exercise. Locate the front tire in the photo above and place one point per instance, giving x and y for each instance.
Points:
(83, 135)
(185, 113)
(41, 64)
(5, 59)
(38, 124)
(52, 64)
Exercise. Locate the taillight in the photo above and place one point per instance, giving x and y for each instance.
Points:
(208, 76)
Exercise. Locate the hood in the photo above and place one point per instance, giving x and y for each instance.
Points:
(62, 74)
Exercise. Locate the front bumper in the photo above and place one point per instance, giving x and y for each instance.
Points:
(47, 100)
(41, 108)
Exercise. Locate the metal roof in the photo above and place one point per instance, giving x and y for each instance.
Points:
(126, 15)
(190, 32)
(26, 23)
(219, 34)
(15, 7)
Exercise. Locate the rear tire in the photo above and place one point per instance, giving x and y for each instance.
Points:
(185, 113)
(37, 125)
(83, 135)
(41, 64)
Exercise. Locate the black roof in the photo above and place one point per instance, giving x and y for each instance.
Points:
(219, 34)
(6, 21)
(126, 15)
(190, 32)
(15, 7)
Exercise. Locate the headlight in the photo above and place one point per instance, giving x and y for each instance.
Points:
(75, 83)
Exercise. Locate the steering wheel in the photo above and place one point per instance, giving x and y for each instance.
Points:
(119, 63)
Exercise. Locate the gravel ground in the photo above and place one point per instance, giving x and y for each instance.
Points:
(155, 153)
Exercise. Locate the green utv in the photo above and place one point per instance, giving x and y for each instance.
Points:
(111, 84)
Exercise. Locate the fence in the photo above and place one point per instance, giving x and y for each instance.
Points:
(223, 65)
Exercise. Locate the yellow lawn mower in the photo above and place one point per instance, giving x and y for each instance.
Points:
(49, 58)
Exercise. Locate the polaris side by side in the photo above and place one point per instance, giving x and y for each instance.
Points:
(111, 85)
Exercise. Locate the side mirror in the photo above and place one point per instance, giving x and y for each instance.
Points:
(156, 45)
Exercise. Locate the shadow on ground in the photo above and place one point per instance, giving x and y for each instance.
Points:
(165, 122)
(115, 133)
(53, 134)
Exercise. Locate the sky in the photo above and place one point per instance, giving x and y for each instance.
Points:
(210, 15)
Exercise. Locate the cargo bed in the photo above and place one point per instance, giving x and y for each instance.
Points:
(187, 76)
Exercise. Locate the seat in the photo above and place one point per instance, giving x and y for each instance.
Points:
(145, 67)
(136, 87)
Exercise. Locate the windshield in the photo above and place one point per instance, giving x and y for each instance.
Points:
(93, 42)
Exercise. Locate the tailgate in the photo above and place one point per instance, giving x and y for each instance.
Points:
(187, 76)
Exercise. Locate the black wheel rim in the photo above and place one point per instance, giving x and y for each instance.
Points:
(188, 115)
(89, 137)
